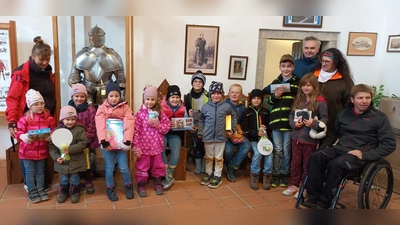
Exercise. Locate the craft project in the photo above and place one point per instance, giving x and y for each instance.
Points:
(115, 132)
(39, 135)
(182, 123)
(62, 138)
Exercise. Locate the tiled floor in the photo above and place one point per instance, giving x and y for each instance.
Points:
(187, 194)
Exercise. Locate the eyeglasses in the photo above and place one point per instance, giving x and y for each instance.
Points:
(326, 62)
(197, 81)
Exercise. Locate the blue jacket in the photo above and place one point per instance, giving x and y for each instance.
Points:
(212, 121)
(239, 109)
(304, 65)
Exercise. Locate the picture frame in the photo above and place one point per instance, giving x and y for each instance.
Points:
(361, 44)
(393, 44)
(238, 67)
(9, 60)
(302, 21)
(201, 49)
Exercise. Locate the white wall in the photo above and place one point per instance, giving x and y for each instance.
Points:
(160, 44)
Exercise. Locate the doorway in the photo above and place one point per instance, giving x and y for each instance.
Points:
(329, 40)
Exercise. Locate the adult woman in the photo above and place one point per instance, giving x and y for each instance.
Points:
(335, 80)
(36, 73)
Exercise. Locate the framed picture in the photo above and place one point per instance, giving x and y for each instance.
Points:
(8, 60)
(393, 44)
(361, 44)
(201, 49)
(302, 21)
(238, 67)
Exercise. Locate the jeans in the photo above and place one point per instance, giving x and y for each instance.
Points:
(282, 151)
(235, 160)
(174, 143)
(198, 147)
(122, 159)
(256, 161)
(73, 177)
(22, 167)
(34, 171)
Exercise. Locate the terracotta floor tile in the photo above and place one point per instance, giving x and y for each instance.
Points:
(285, 205)
(176, 187)
(232, 202)
(191, 177)
(51, 202)
(199, 194)
(184, 205)
(152, 200)
(15, 194)
(99, 194)
(265, 206)
(177, 196)
(16, 186)
(69, 205)
(163, 206)
(209, 204)
(127, 203)
(101, 204)
(222, 192)
(275, 197)
(242, 190)
(193, 185)
(14, 204)
(254, 199)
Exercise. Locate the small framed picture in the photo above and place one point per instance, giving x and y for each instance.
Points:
(393, 44)
(361, 44)
(238, 67)
(302, 21)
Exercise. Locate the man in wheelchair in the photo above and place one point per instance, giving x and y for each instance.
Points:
(365, 135)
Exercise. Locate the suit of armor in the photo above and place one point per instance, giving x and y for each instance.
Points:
(97, 64)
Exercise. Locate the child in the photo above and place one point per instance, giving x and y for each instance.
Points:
(281, 100)
(149, 141)
(33, 154)
(308, 97)
(194, 100)
(232, 162)
(70, 169)
(212, 130)
(173, 107)
(86, 116)
(254, 125)
(116, 108)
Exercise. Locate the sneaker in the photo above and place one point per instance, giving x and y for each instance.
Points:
(230, 172)
(291, 190)
(26, 188)
(283, 181)
(215, 182)
(34, 197)
(43, 195)
(206, 179)
(275, 181)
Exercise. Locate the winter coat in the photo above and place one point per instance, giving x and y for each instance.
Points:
(251, 121)
(303, 134)
(369, 132)
(149, 139)
(120, 111)
(36, 150)
(212, 121)
(180, 112)
(77, 163)
(86, 118)
(282, 106)
(238, 109)
(305, 65)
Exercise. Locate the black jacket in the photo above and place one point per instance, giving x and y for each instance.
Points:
(369, 132)
(250, 122)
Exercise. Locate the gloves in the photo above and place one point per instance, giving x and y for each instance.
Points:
(126, 146)
(105, 143)
(12, 125)
(154, 123)
(25, 138)
(137, 152)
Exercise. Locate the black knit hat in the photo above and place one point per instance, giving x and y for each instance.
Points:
(256, 93)
(113, 87)
(173, 90)
(199, 75)
(216, 87)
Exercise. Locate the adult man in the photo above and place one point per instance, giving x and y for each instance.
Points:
(309, 61)
(365, 135)
(199, 56)
(98, 64)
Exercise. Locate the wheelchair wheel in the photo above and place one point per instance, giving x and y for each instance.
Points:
(376, 186)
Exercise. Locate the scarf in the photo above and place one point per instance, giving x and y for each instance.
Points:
(325, 76)
(196, 94)
(174, 108)
(79, 108)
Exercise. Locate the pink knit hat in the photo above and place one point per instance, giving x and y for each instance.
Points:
(150, 91)
(78, 88)
(67, 111)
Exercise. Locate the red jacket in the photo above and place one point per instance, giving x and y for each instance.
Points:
(16, 100)
(37, 150)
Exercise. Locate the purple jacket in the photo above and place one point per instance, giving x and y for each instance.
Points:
(150, 140)
(87, 118)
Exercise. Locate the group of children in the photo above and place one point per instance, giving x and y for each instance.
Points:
(149, 132)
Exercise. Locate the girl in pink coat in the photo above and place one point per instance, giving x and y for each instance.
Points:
(151, 124)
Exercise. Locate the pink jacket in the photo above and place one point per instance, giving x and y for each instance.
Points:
(150, 140)
(37, 150)
(121, 111)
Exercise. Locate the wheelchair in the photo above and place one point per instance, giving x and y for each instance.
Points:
(375, 182)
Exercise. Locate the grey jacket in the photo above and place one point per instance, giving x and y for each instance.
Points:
(78, 160)
(212, 121)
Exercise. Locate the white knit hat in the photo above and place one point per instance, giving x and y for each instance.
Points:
(33, 96)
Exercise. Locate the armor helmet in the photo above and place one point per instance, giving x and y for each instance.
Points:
(97, 36)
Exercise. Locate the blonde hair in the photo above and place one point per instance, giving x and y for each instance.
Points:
(41, 49)
(301, 97)
(236, 85)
